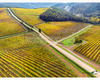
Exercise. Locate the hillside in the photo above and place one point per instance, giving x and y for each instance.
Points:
(56, 14)
(83, 9)
(7, 25)
(27, 5)
(31, 16)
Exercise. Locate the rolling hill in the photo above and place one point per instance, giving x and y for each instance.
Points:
(85, 9)
(8, 26)
(27, 5)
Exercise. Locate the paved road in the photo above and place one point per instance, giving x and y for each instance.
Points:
(79, 62)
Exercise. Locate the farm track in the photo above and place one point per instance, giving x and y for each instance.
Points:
(82, 64)
(74, 34)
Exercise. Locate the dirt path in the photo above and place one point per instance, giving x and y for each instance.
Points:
(74, 34)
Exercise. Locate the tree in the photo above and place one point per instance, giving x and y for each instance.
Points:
(78, 40)
(40, 30)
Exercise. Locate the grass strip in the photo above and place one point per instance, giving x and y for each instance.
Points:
(74, 64)
(80, 59)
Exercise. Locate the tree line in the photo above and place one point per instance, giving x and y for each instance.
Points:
(56, 14)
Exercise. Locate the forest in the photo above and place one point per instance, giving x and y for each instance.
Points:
(56, 14)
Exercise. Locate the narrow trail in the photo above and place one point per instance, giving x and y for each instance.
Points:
(73, 58)
(74, 34)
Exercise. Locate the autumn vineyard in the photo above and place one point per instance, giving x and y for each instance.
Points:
(92, 48)
(48, 42)
(26, 58)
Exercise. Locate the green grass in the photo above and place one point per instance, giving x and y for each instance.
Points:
(70, 41)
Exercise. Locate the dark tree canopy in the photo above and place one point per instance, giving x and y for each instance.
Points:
(56, 14)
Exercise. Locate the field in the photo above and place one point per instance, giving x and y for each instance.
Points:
(59, 30)
(55, 30)
(31, 16)
(25, 55)
(7, 24)
(92, 48)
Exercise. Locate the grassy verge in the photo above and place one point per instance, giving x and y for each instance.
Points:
(74, 64)
(70, 40)
(40, 37)
(79, 58)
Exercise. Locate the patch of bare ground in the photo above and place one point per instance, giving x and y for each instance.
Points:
(71, 49)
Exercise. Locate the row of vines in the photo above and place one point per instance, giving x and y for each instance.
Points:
(26, 56)
(92, 48)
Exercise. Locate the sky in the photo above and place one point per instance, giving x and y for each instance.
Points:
(63, 1)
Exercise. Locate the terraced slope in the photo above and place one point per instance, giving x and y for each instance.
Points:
(92, 48)
(31, 16)
(59, 30)
(7, 24)
(25, 56)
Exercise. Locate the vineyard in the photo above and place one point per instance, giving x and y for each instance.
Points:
(7, 24)
(92, 48)
(55, 30)
(31, 16)
(25, 56)
(59, 30)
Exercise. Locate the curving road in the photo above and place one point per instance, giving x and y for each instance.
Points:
(79, 62)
